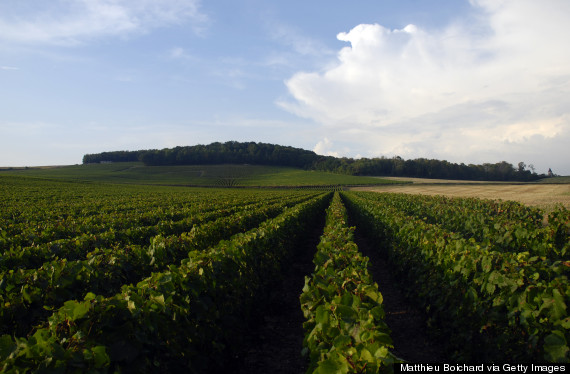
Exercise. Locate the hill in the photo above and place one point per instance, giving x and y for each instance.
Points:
(224, 175)
(276, 155)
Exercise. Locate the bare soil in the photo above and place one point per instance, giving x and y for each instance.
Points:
(412, 341)
(275, 345)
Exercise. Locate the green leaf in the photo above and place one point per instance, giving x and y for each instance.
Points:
(306, 287)
(131, 305)
(378, 313)
(100, 356)
(346, 313)
(555, 347)
(74, 309)
(558, 307)
(565, 323)
(26, 295)
(332, 366)
(346, 299)
(486, 263)
(158, 299)
(381, 352)
(383, 338)
(341, 341)
(7, 346)
(374, 294)
(322, 315)
(366, 355)
(365, 335)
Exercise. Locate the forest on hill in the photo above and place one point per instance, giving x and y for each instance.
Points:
(234, 152)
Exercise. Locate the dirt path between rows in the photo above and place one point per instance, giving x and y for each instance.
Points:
(276, 343)
(408, 323)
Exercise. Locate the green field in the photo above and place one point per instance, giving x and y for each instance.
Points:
(555, 180)
(194, 175)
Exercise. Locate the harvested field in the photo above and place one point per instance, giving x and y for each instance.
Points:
(545, 196)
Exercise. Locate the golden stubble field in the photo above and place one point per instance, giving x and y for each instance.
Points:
(545, 196)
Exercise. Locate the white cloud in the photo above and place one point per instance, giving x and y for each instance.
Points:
(477, 88)
(181, 54)
(9, 68)
(64, 22)
(293, 47)
(323, 147)
(295, 39)
(177, 52)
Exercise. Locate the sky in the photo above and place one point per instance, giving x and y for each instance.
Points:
(467, 81)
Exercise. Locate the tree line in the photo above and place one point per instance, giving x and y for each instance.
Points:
(233, 152)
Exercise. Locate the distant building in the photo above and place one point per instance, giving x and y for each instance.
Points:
(550, 173)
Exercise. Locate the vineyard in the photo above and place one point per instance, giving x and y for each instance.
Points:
(99, 277)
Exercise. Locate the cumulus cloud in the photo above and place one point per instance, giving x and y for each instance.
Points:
(480, 87)
(64, 22)
(323, 147)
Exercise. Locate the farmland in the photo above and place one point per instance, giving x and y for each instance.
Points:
(541, 194)
(114, 268)
(194, 175)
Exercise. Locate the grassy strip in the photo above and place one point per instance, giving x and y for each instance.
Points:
(345, 328)
(188, 318)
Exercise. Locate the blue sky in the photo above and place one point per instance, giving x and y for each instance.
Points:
(466, 81)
